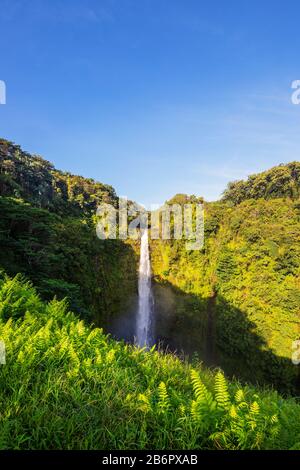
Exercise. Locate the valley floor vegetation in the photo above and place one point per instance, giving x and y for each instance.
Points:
(66, 385)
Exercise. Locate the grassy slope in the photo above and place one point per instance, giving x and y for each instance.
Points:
(67, 386)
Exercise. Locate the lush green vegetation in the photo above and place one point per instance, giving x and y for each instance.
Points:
(279, 182)
(33, 179)
(244, 284)
(47, 231)
(67, 386)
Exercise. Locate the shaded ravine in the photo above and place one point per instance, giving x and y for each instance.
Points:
(210, 349)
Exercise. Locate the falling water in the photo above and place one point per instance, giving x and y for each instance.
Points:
(143, 327)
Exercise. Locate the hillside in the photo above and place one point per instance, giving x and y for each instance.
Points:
(67, 386)
(47, 232)
(239, 297)
(282, 181)
(37, 181)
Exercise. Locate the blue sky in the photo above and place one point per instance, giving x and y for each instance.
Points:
(153, 97)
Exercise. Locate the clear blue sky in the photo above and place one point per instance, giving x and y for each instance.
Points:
(153, 97)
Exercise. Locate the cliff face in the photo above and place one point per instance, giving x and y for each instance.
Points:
(240, 295)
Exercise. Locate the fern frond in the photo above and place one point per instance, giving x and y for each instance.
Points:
(144, 403)
(254, 408)
(239, 396)
(195, 412)
(233, 413)
(200, 390)
(221, 389)
(274, 419)
(259, 439)
(163, 398)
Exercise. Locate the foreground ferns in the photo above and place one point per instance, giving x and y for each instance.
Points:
(222, 395)
(230, 422)
(163, 402)
(67, 386)
(201, 392)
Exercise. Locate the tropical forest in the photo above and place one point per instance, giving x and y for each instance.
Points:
(219, 366)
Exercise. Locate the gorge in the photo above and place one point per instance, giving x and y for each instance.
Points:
(209, 305)
(142, 343)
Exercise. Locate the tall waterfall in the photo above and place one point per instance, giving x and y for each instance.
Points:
(143, 326)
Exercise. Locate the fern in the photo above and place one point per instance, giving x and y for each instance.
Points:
(163, 398)
(239, 396)
(181, 410)
(200, 390)
(274, 419)
(233, 412)
(65, 366)
(221, 391)
(195, 412)
(254, 408)
(144, 403)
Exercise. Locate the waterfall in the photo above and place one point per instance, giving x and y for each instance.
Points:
(143, 326)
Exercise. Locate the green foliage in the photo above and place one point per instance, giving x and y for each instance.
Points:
(245, 282)
(35, 180)
(47, 232)
(67, 386)
(278, 182)
(163, 398)
(222, 396)
(17, 297)
(232, 422)
(242, 289)
(201, 393)
(182, 199)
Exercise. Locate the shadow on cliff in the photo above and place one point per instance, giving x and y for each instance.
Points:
(214, 332)
(209, 330)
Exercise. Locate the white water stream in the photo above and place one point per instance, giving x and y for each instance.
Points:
(143, 325)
